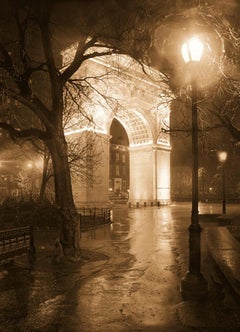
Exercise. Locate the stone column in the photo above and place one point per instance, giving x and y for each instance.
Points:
(141, 174)
(93, 191)
(162, 174)
(149, 175)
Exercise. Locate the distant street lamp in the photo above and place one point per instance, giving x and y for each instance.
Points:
(194, 285)
(222, 157)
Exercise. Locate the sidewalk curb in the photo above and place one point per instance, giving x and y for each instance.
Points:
(225, 250)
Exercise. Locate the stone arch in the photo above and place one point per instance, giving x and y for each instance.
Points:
(139, 103)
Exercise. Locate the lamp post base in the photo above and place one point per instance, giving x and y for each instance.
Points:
(194, 287)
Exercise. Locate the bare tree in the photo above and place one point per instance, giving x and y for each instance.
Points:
(30, 66)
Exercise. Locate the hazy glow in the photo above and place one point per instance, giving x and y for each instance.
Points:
(39, 163)
(192, 50)
(222, 156)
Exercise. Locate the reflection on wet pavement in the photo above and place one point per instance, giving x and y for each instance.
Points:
(128, 278)
(44, 296)
(140, 282)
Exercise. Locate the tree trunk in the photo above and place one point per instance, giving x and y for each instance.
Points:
(45, 177)
(69, 225)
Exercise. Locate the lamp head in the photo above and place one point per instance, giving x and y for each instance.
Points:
(222, 156)
(192, 50)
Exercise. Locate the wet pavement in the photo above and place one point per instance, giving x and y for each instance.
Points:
(127, 280)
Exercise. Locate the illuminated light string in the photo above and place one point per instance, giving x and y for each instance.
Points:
(76, 131)
(104, 132)
(71, 132)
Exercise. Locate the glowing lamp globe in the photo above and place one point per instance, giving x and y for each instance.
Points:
(192, 50)
(222, 156)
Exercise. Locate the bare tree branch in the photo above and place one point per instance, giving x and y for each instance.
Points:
(32, 132)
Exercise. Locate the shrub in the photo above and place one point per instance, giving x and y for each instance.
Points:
(28, 211)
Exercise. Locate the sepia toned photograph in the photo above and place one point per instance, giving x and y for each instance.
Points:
(119, 165)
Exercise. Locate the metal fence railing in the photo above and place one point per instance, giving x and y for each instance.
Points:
(93, 217)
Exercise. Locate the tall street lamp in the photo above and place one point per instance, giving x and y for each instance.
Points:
(193, 284)
(222, 157)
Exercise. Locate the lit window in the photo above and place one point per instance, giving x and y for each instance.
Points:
(117, 156)
(117, 170)
(123, 158)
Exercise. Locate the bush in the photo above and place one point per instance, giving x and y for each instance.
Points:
(28, 211)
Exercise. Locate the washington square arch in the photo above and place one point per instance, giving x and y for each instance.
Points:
(116, 88)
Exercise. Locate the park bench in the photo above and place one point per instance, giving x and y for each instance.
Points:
(15, 242)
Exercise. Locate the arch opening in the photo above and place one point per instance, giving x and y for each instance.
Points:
(136, 126)
(118, 163)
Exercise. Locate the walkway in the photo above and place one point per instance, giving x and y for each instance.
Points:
(128, 280)
(225, 250)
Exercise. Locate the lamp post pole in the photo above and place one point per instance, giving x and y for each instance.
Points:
(223, 190)
(193, 284)
(194, 219)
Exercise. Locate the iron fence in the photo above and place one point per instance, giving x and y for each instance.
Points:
(93, 217)
(16, 241)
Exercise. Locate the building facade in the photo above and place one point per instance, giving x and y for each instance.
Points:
(118, 172)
